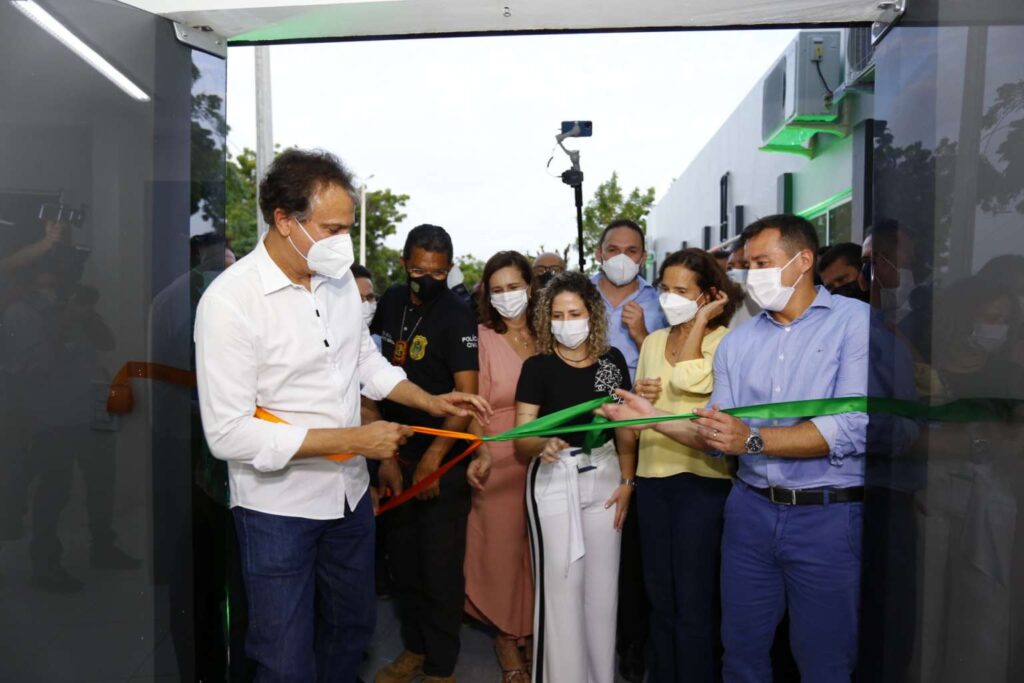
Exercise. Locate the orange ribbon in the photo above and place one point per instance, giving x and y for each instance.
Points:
(120, 400)
(421, 485)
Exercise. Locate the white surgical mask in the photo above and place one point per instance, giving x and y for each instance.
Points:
(621, 269)
(989, 337)
(510, 305)
(369, 308)
(739, 276)
(571, 333)
(678, 309)
(896, 299)
(331, 257)
(766, 288)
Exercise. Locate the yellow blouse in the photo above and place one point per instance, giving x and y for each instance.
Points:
(684, 386)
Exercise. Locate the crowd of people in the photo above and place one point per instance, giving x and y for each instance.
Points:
(668, 551)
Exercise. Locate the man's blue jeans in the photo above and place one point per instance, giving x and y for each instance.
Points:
(804, 557)
(312, 604)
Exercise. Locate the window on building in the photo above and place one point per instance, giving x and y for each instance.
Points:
(834, 224)
(707, 237)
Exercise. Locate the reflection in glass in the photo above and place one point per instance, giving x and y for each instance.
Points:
(943, 570)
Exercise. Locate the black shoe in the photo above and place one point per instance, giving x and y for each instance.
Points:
(632, 665)
(56, 579)
(112, 557)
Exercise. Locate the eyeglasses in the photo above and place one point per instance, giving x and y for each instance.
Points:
(540, 270)
(436, 274)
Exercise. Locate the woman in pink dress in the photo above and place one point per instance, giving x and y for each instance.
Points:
(499, 583)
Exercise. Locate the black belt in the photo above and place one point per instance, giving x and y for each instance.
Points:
(782, 496)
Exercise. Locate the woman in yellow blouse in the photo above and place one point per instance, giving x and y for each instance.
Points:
(681, 492)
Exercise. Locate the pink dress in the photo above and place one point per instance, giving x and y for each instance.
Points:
(499, 580)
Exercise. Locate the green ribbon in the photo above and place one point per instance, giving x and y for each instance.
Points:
(962, 410)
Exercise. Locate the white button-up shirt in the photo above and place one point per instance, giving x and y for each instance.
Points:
(262, 340)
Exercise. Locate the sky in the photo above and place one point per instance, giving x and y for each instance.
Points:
(465, 126)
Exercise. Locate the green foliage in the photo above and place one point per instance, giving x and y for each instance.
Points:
(208, 132)
(608, 204)
(383, 214)
(472, 269)
(240, 181)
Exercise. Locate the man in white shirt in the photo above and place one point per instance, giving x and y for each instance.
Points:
(283, 330)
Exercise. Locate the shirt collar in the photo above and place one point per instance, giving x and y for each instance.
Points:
(822, 300)
(271, 276)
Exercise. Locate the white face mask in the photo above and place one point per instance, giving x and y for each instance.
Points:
(766, 288)
(331, 257)
(739, 276)
(510, 305)
(678, 309)
(896, 298)
(621, 269)
(369, 308)
(571, 333)
(989, 337)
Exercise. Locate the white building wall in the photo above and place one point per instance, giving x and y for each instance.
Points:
(692, 201)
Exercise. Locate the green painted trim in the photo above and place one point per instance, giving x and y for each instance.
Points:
(823, 206)
(806, 152)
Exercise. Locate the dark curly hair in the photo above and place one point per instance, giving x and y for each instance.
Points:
(295, 176)
(489, 316)
(709, 276)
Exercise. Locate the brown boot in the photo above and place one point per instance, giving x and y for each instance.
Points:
(404, 669)
(439, 679)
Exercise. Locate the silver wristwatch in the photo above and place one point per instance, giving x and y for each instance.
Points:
(754, 443)
(629, 482)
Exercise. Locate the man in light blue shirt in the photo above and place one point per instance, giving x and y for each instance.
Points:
(793, 522)
(632, 303)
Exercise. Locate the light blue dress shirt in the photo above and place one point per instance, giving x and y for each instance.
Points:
(821, 354)
(618, 334)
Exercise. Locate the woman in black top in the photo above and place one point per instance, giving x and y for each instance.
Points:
(576, 502)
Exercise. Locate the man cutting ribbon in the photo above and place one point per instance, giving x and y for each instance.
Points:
(283, 330)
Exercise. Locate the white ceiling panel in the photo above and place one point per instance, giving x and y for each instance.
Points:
(247, 21)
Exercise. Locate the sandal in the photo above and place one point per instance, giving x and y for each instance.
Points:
(511, 662)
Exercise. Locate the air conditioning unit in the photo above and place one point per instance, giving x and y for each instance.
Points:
(859, 56)
(799, 87)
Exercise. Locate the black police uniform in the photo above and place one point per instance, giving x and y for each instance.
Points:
(426, 540)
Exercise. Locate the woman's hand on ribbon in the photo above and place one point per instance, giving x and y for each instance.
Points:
(379, 440)
(460, 404)
(722, 432)
(553, 448)
(631, 408)
(620, 498)
(479, 470)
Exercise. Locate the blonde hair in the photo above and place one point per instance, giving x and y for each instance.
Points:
(581, 286)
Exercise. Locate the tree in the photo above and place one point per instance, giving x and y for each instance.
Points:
(209, 130)
(609, 204)
(383, 214)
(472, 269)
(240, 182)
